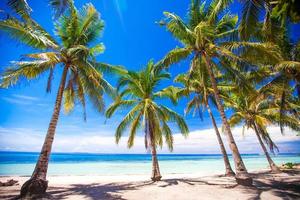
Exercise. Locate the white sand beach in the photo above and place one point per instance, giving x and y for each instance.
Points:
(173, 187)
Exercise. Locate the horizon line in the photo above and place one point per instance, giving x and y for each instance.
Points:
(96, 153)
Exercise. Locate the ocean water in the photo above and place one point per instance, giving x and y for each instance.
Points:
(22, 163)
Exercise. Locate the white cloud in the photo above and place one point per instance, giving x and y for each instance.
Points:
(20, 99)
(201, 141)
(25, 97)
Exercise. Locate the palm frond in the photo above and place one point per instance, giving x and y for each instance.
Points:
(217, 6)
(26, 34)
(97, 49)
(21, 7)
(118, 104)
(179, 29)
(250, 17)
(170, 92)
(174, 56)
(168, 135)
(111, 69)
(177, 118)
(134, 126)
(126, 121)
(60, 6)
(25, 69)
(69, 97)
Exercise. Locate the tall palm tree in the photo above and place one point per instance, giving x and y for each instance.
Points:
(197, 86)
(140, 92)
(211, 38)
(81, 76)
(257, 111)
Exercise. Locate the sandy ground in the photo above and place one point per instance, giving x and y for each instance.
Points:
(173, 187)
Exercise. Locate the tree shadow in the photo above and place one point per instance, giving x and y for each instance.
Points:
(221, 181)
(10, 194)
(265, 182)
(92, 191)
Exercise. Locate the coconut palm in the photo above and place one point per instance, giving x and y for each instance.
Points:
(209, 37)
(81, 76)
(198, 87)
(139, 91)
(284, 77)
(257, 111)
(284, 11)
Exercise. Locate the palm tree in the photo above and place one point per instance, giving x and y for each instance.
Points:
(81, 76)
(256, 110)
(284, 76)
(284, 11)
(212, 39)
(197, 86)
(139, 92)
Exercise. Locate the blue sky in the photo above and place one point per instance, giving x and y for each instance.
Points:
(131, 37)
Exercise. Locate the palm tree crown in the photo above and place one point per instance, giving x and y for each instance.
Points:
(75, 31)
(139, 90)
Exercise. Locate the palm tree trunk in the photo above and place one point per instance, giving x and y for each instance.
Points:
(273, 166)
(229, 171)
(155, 167)
(156, 176)
(37, 184)
(242, 176)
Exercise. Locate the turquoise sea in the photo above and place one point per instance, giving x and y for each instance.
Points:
(22, 163)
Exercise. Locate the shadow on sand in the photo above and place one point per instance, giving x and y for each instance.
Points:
(264, 184)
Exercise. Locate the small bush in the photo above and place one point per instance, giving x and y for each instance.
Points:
(289, 165)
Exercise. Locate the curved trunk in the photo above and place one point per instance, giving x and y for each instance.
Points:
(273, 166)
(155, 167)
(242, 175)
(38, 184)
(229, 171)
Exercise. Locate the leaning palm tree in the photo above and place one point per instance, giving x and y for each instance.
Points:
(139, 91)
(81, 76)
(198, 87)
(211, 38)
(256, 110)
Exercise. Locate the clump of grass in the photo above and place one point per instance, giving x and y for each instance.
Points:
(289, 165)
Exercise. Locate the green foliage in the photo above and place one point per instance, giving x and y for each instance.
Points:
(26, 34)
(286, 10)
(21, 7)
(250, 17)
(256, 110)
(289, 165)
(216, 37)
(138, 91)
(60, 6)
(77, 31)
(283, 11)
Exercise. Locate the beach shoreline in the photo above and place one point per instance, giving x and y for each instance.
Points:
(285, 185)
